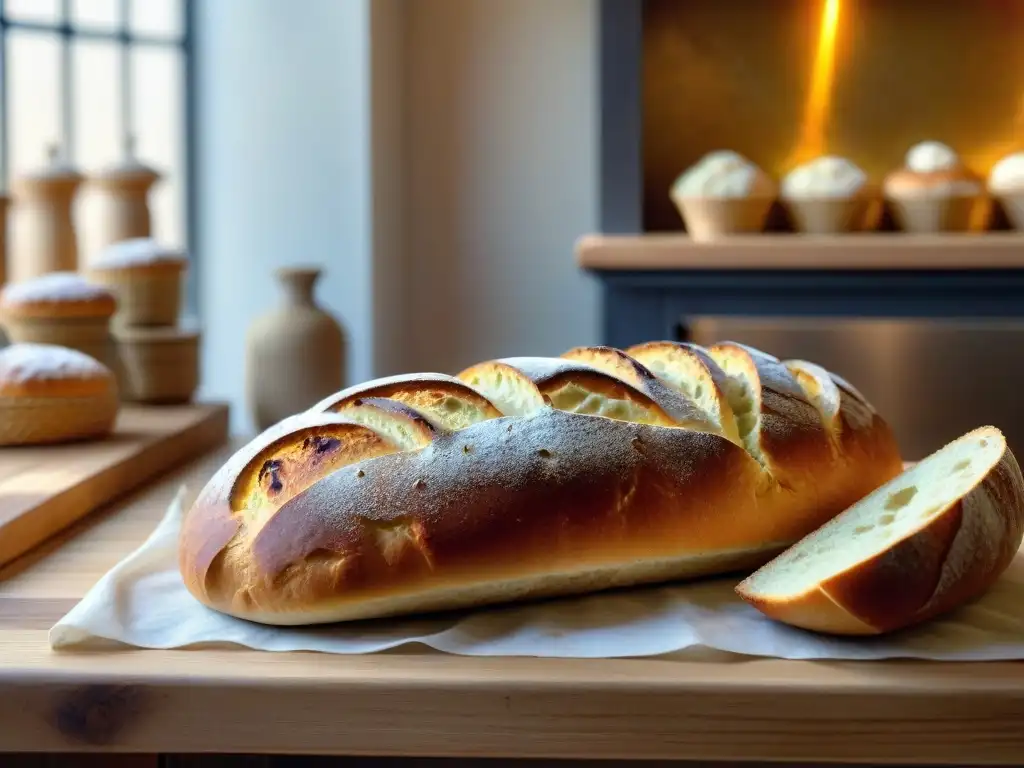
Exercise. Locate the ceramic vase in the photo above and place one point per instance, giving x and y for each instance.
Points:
(294, 354)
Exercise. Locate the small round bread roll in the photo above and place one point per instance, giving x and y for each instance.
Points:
(933, 191)
(63, 309)
(52, 394)
(58, 294)
(146, 276)
(1006, 184)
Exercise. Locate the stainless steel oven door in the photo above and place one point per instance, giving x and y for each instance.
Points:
(932, 380)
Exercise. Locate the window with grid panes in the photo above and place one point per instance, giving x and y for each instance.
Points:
(99, 79)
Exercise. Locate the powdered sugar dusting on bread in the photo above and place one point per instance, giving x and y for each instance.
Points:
(514, 462)
(819, 388)
(382, 382)
(136, 252)
(848, 387)
(588, 488)
(55, 288)
(541, 369)
(22, 363)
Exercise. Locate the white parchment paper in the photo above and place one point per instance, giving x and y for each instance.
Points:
(142, 602)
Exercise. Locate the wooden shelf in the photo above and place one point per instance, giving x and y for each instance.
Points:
(867, 252)
(44, 489)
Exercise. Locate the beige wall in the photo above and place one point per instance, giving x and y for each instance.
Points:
(502, 151)
(284, 172)
(438, 157)
(388, 116)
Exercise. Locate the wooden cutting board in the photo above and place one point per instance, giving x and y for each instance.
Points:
(44, 489)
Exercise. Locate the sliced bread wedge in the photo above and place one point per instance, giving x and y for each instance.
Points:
(933, 538)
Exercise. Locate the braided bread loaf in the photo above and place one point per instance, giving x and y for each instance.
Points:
(528, 477)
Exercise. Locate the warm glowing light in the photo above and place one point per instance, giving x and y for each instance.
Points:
(985, 157)
(819, 97)
(1018, 123)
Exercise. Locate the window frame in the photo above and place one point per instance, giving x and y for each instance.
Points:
(66, 31)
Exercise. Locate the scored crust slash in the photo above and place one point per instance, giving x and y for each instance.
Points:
(532, 477)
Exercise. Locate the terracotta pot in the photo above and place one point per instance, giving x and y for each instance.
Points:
(294, 354)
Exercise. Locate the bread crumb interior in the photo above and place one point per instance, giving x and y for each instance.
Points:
(893, 512)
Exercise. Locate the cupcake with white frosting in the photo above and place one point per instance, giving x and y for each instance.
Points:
(827, 195)
(934, 191)
(1006, 184)
(724, 193)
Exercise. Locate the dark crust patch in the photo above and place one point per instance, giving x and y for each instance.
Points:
(537, 485)
(211, 523)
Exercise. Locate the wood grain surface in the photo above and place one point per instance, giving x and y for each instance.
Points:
(412, 703)
(864, 251)
(43, 489)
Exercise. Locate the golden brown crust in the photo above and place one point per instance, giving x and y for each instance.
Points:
(280, 463)
(904, 181)
(954, 558)
(782, 422)
(164, 267)
(511, 391)
(65, 309)
(911, 582)
(92, 301)
(92, 386)
(674, 403)
(434, 394)
(48, 371)
(510, 507)
(50, 420)
(568, 380)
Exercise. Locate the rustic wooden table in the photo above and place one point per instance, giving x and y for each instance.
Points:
(425, 704)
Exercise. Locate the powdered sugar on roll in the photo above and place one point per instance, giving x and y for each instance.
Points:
(931, 156)
(56, 287)
(21, 363)
(1008, 174)
(722, 174)
(139, 251)
(824, 177)
(932, 170)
